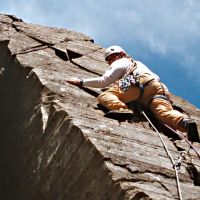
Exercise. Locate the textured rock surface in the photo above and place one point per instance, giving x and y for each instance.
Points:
(55, 141)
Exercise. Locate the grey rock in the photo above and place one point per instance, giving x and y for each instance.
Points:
(55, 141)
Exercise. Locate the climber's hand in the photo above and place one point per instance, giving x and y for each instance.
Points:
(75, 81)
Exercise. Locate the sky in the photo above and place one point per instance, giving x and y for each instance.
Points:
(163, 34)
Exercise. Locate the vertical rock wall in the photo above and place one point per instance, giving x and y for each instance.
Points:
(55, 141)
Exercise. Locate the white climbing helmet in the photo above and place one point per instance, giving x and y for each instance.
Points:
(113, 49)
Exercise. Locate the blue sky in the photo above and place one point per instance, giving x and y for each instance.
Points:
(163, 34)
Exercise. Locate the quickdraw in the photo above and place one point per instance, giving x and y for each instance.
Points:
(178, 162)
(183, 138)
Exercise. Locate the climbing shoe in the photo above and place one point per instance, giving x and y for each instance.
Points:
(192, 131)
(121, 114)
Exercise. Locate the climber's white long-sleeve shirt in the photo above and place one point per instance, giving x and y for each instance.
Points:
(117, 70)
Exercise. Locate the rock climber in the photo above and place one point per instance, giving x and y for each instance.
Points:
(134, 81)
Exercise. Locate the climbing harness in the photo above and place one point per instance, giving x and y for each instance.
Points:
(176, 165)
(133, 79)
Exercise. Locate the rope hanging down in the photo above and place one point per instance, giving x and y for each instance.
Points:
(176, 166)
(182, 137)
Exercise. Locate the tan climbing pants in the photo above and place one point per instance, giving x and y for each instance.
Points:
(115, 98)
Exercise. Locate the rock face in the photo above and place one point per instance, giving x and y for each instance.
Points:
(55, 141)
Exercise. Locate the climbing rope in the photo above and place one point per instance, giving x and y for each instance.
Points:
(176, 165)
(182, 137)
